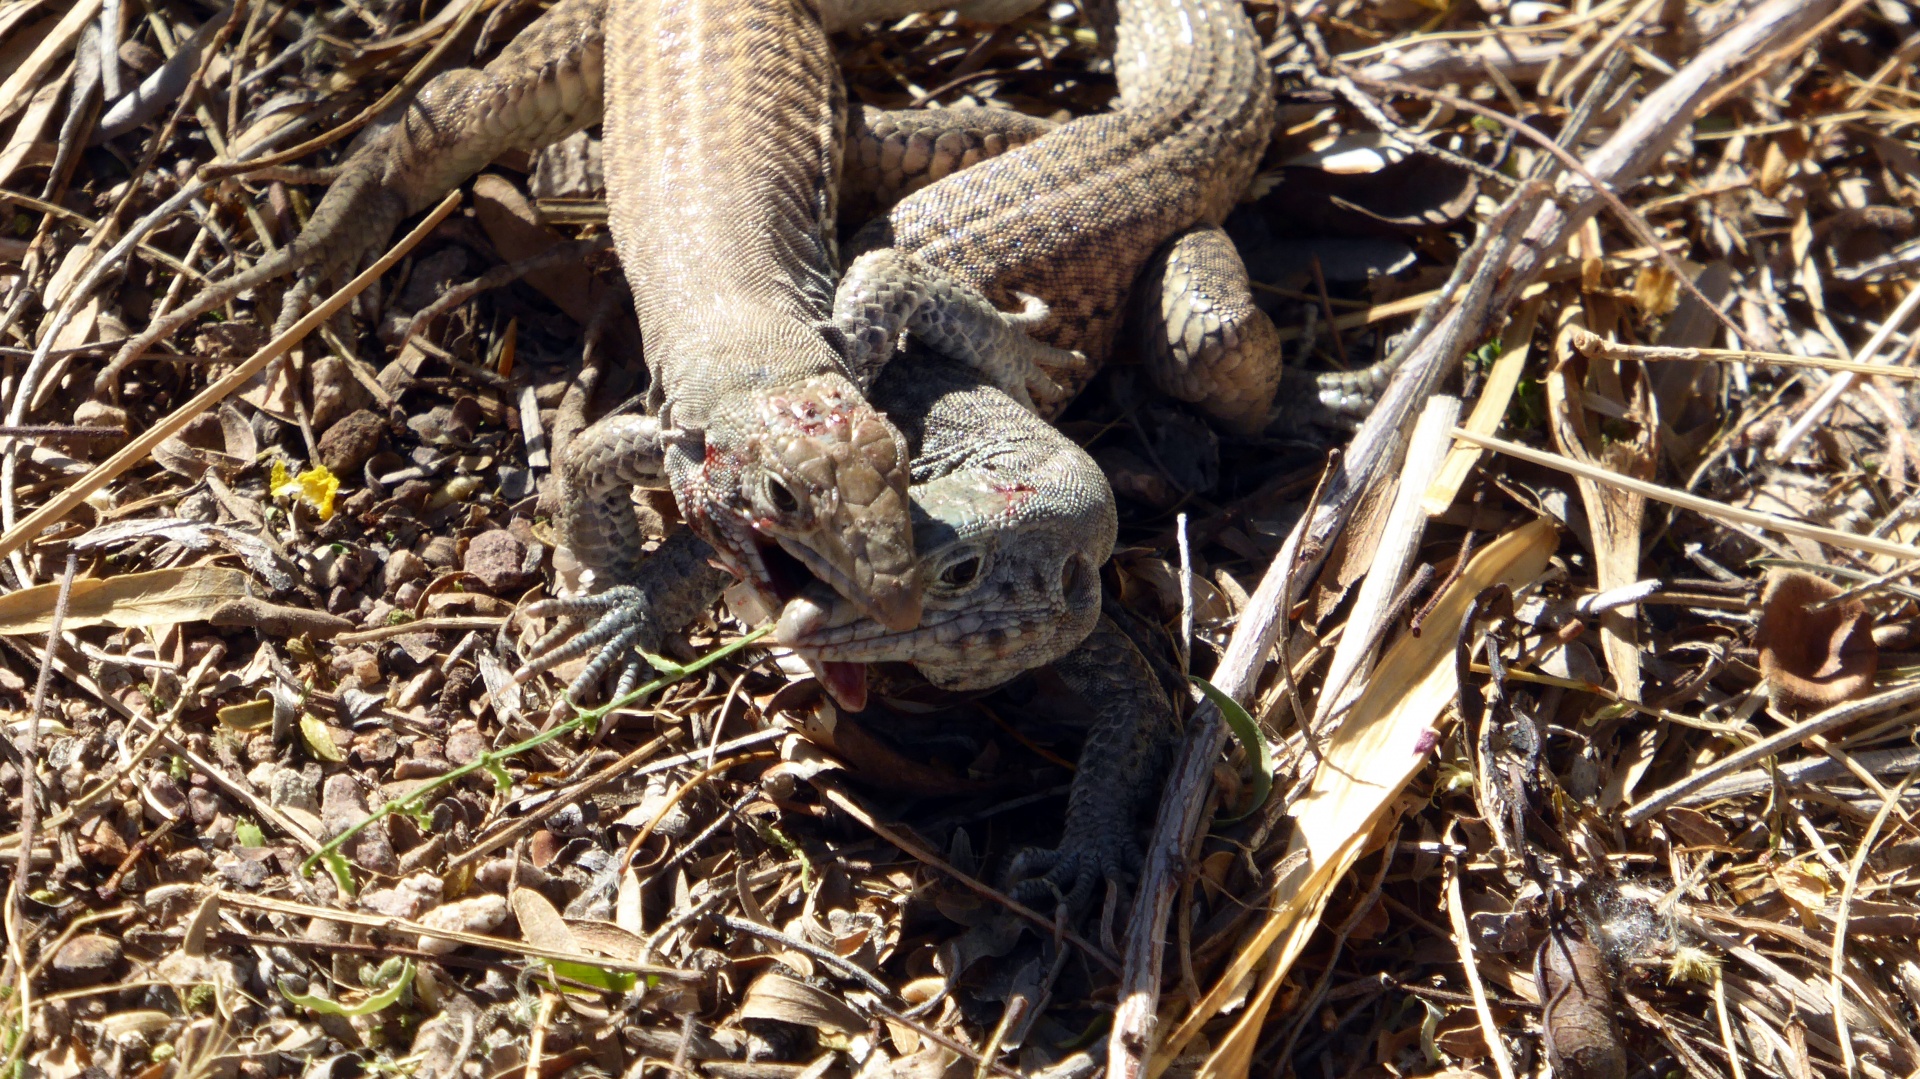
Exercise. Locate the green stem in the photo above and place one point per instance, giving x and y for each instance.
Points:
(493, 761)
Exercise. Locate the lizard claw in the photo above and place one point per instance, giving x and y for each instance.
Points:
(1068, 873)
(625, 621)
(1033, 310)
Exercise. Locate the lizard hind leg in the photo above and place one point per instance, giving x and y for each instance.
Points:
(1203, 338)
(888, 292)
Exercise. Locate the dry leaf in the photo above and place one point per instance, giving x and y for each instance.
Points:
(540, 923)
(1695, 829)
(1656, 291)
(159, 598)
(1616, 516)
(1813, 659)
(1582, 1039)
(606, 938)
(778, 997)
(319, 739)
(1367, 762)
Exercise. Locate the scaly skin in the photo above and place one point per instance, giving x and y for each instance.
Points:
(1012, 521)
(1104, 207)
(723, 222)
(719, 149)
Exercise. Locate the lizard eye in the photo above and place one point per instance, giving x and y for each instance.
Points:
(1070, 577)
(781, 497)
(961, 573)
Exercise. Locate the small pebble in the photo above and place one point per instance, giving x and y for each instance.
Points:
(296, 789)
(346, 445)
(499, 559)
(479, 914)
(401, 567)
(440, 552)
(87, 959)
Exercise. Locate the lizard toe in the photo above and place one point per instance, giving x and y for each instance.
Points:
(1068, 874)
(625, 622)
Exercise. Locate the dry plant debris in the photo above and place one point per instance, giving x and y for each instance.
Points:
(1562, 720)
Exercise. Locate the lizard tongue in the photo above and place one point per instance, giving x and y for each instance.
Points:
(845, 682)
(803, 615)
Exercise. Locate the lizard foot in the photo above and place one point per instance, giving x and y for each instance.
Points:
(625, 623)
(887, 292)
(1069, 873)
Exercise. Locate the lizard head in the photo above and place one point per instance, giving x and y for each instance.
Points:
(816, 491)
(1010, 572)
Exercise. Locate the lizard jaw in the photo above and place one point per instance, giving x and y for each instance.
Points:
(961, 649)
(846, 683)
(762, 597)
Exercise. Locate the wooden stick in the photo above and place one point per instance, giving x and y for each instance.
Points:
(1599, 347)
(1839, 715)
(1720, 510)
(137, 450)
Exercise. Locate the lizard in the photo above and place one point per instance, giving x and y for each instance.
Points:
(1012, 522)
(1112, 219)
(1170, 162)
(722, 223)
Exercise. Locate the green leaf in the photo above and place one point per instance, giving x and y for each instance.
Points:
(337, 865)
(368, 1006)
(248, 834)
(1259, 753)
(251, 716)
(320, 740)
(502, 782)
(661, 664)
(610, 981)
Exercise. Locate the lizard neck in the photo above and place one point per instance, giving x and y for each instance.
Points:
(723, 130)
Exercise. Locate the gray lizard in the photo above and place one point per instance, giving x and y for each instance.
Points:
(1110, 218)
(1012, 521)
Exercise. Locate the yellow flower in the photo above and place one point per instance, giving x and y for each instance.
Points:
(316, 487)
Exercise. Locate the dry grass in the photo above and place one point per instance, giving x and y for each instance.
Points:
(1633, 799)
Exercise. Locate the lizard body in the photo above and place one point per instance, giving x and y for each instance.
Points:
(722, 141)
(1111, 218)
(725, 135)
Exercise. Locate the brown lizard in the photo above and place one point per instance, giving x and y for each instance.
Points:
(1107, 219)
(724, 133)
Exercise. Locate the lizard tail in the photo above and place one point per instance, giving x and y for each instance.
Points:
(1349, 395)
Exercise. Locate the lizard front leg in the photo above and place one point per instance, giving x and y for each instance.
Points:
(642, 597)
(888, 292)
(1121, 766)
(544, 85)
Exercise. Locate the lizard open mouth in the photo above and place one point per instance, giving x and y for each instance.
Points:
(783, 577)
